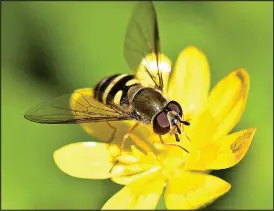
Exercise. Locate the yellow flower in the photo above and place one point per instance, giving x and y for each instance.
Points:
(145, 166)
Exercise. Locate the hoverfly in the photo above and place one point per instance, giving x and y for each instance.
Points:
(142, 103)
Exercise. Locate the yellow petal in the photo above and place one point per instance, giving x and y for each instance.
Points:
(190, 81)
(135, 156)
(128, 159)
(150, 63)
(88, 160)
(232, 149)
(224, 152)
(103, 131)
(130, 169)
(193, 190)
(133, 165)
(126, 179)
(143, 193)
(223, 108)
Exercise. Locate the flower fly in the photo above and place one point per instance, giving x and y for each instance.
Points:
(125, 96)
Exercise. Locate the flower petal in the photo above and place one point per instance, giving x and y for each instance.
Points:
(102, 130)
(88, 160)
(133, 165)
(190, 81)
(223, 109)
(126, 179)
(224, 152)
(193, 190)
(232, 149)
(143, 193)
(150, 63)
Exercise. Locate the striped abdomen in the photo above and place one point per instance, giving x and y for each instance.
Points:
(114, 89)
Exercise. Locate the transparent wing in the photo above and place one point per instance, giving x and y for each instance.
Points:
(61, 111)
(142, 39)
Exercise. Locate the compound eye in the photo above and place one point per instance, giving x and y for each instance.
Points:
(161, 124)
(174, 106)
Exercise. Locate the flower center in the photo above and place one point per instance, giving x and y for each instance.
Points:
(132, 164)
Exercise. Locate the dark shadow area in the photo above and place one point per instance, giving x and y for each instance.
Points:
(36, 62)
(190, 8)
(224, 175)
(37, 65)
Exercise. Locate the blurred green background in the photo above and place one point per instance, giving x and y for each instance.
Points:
(52, 48)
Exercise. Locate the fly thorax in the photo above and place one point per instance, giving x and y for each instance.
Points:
(148, 102)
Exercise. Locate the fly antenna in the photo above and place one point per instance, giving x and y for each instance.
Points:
(185, 122)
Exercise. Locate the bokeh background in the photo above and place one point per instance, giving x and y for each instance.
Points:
(52, 48)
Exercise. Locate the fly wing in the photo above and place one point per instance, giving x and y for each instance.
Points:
(61, 111)
(142, 39)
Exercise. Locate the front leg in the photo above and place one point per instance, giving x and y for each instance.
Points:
(128, 134)
(170, 144)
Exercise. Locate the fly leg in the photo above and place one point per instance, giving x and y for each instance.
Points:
(113, 133)
(186, 136)
(128, 134)
(124, 140)
(162, 142)
(137, 141)
(113, 165)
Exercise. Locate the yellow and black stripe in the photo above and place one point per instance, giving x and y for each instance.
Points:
(114, 89)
